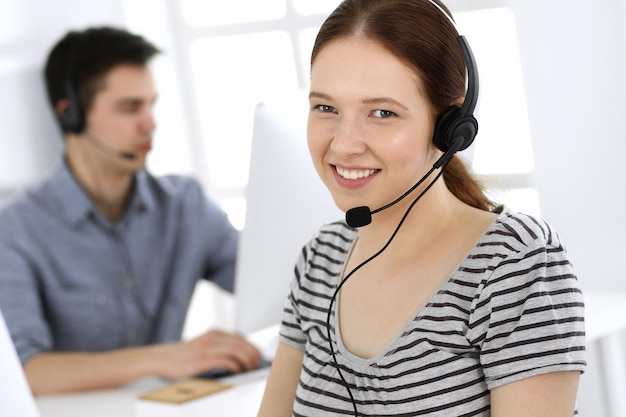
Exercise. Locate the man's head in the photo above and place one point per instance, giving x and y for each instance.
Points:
(79, 63)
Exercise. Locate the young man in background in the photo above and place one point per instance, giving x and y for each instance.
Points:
(98, 262)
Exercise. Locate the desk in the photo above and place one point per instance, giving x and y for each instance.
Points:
(605, 314)
(119, 402)
(605, 319)
(605, 324)
(240, 401)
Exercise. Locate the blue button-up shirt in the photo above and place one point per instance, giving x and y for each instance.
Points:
(70, 280)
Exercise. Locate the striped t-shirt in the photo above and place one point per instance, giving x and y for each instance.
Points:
(512, 309)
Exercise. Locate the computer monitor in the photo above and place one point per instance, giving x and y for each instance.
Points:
(286, 203)
(16, 398)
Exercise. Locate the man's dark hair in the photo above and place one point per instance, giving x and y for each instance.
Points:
(83, 58)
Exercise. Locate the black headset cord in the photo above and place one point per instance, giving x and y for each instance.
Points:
(362, 264)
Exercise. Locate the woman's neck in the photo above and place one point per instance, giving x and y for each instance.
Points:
(431, 218)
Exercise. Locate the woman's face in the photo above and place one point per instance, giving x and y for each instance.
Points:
(370, 126)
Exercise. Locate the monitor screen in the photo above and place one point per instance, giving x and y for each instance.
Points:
(16, 398)
(286, 203)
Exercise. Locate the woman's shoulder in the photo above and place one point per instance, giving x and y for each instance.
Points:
(336, 232)
(520, 230)
(335, 237)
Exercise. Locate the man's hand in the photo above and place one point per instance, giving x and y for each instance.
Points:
(57, 372)
(214, 349)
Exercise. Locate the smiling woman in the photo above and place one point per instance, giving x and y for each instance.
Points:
(347, 117)
(471, 284)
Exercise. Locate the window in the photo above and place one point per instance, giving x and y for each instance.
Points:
(256, 67)
(13, 21)
(238, 53)
(503, 149)
(21, 156)
(198, 13)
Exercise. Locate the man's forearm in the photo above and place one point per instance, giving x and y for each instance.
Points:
(57, 372)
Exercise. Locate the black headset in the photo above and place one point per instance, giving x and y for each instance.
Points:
(72, 118)
(457, 127)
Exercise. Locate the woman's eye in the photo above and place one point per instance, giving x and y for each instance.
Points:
(383, 114)
(325, 109)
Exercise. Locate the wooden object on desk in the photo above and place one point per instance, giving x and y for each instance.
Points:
(242, 400)
(185, 391)
(182, 399)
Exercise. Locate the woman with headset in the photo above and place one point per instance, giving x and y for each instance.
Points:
(438, 302)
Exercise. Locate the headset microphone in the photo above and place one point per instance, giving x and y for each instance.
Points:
(362, 216)
(128, 155)
(359, 216)
(106, 148)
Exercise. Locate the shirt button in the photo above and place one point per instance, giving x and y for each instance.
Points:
(128, 283)
(101, 300)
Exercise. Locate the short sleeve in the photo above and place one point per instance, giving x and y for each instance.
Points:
(529, 316)
(20, 303)
(291, 332)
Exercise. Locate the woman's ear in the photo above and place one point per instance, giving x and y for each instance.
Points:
(458, 102)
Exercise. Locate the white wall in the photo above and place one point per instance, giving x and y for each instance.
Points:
(574, 57)
(30, 141)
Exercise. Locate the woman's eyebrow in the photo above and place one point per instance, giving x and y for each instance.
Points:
(314, 94)
(384, 100)
(369, 100)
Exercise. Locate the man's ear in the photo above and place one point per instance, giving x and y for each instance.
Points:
(60, 107)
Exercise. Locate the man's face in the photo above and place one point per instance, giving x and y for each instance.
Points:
(121, 118)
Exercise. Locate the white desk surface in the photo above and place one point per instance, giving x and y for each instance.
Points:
(240, 401)
(119, 402)
(605, 316)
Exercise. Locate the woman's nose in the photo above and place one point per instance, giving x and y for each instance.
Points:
(347, 138)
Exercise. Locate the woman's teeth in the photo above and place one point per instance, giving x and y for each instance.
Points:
(355, 174)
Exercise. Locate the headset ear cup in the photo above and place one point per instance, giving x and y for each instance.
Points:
(452, 125)
(441, 138)
(465, 127)
(72, 119)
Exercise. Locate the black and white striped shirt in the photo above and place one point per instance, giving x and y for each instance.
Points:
(511, 310)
